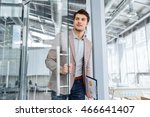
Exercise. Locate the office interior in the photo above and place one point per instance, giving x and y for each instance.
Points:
(118, 29)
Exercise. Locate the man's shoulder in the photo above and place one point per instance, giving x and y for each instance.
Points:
(88, 41)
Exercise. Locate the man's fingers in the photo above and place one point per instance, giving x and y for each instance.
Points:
(67, 68)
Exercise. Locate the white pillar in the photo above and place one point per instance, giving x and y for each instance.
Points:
(89, 35)
(99, 47)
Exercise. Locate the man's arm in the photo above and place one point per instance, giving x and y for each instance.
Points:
(51, 60)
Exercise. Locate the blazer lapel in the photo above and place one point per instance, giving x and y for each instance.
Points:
(86, 51)
(71, 41)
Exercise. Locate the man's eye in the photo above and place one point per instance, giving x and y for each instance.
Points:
(83, 19)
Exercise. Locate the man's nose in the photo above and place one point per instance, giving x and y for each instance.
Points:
(79, 21)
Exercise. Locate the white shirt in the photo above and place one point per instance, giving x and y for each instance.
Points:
(79, 53)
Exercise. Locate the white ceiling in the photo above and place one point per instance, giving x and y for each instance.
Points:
(120, 16)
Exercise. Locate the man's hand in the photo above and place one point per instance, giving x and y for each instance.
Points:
(66, 68)
(89, 96)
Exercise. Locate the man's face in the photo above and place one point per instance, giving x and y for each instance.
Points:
(80, 22)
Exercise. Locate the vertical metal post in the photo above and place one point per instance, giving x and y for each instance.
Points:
(58, 71)
(7, 76)
(69, 71)
(23, 55)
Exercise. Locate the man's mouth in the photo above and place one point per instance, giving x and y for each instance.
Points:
(79, 25)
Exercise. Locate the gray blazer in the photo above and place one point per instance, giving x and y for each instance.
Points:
(61, 39)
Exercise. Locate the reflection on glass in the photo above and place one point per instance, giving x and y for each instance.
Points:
(46, 20)
(10, 40)
(26, 35)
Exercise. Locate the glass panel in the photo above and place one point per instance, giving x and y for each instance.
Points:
(132, 79)
(129, 54)
(140, 35)
(27, 33)
(113, 64)
(10, 47)
(130, 60)
(129, 42)
(142, 58)
(148, 42)
(144, 80)
(141, 48)
(123, 64)
(46, 20)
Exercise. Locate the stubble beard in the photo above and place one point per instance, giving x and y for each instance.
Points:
(78, 30)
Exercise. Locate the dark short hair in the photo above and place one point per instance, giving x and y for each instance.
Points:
(83, 12)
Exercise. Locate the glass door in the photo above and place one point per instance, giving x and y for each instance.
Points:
(29, 30)
(47, 19)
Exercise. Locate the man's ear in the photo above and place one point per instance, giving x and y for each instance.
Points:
(85, 28)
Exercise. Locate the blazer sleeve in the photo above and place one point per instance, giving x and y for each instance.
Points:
(51, 60)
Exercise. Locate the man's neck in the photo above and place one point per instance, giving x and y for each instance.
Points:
(79, 34)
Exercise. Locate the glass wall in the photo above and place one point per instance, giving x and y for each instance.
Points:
(11, 24)
(46, 20)
(134, 57)
(27, 33)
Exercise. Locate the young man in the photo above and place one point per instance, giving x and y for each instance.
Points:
(80, 52)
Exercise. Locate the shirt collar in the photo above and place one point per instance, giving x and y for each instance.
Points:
(76, 37)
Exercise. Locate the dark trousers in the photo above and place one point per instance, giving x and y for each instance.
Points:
(77, 92)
